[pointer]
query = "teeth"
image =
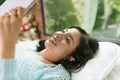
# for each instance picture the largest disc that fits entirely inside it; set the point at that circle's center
(53, 41)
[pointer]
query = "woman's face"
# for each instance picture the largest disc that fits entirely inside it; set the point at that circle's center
(62, 43)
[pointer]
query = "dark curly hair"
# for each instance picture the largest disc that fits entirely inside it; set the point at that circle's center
(84, 51)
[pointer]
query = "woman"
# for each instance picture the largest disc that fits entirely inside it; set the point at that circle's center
(66, 51)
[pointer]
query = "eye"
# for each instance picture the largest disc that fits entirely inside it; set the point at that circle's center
(67, 40)
(63, 31)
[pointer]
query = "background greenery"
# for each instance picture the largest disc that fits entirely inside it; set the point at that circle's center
(59, 14)
(100, 18)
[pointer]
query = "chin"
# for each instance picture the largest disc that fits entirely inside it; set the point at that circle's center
(46, 43)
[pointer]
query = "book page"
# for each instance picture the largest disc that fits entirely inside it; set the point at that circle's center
(8, 4)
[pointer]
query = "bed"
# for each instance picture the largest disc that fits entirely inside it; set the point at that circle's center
(104, 66)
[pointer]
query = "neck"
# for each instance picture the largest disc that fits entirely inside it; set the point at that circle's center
(46, 57)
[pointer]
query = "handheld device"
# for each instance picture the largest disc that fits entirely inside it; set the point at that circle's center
(8, 4)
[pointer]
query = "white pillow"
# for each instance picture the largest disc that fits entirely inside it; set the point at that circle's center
(101, 65)
(29, 44)
(98, 67)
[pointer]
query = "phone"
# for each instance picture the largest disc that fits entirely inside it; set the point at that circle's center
(8, 4)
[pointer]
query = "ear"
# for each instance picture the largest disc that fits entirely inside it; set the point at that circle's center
(71, 59)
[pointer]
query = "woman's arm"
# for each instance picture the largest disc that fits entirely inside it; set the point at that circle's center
(9, 29)
(8, 70)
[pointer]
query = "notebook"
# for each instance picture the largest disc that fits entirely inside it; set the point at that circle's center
(8, 4)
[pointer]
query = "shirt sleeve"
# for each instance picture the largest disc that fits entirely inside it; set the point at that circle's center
(8, 69)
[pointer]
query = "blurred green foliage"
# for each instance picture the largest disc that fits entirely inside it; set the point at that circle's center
(59, 14)
(100, 13)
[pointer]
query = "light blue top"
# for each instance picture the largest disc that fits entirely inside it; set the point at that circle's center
(25, 67)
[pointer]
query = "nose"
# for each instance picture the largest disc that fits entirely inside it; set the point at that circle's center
(60, 35)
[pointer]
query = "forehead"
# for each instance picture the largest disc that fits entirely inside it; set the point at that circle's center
(75, 34)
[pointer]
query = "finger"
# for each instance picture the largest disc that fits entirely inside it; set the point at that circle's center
(19, 12)
(1, 21)
(1, 18)
(6, 19)
(13, 16)
(13, 12)
(6, 15)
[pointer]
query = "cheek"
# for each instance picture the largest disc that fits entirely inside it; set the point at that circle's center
(62, 46)
(46, 43)
(63, 50)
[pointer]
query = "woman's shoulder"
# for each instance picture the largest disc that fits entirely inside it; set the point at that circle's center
(51, 72)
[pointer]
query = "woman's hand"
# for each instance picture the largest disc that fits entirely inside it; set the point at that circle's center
(9, 29)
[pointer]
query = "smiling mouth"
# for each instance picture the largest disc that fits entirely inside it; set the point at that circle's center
(53, 41)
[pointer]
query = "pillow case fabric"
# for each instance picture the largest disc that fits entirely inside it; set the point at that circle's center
(102, 63)
(98, 67)
(29, 44)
